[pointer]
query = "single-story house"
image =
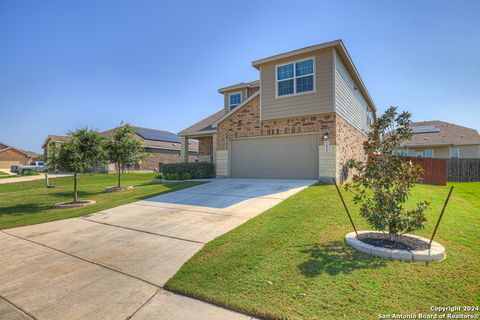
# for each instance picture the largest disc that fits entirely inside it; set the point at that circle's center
(439, 139)
(10, 156)
(159, 145)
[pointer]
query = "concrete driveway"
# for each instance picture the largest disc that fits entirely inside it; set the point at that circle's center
(113, 264)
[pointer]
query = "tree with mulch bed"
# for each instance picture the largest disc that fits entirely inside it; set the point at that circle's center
(83, 153)
(124, 150)
(382, 184)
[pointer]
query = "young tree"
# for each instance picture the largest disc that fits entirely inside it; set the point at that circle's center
(83, 153)
(382, 184)
(124, 149)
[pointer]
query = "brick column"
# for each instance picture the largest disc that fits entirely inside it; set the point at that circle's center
(184, 150)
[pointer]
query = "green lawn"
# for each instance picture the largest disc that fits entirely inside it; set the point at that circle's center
(26, 203)
(291, 262)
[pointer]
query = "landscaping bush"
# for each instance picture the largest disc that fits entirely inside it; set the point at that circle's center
(382, 184)
(184, 171)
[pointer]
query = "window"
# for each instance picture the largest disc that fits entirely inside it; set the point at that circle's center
(410, 153)
(369, 117)
(419, 154)
(429, 153)
(295, 78)
(454, 153)
(234, 99)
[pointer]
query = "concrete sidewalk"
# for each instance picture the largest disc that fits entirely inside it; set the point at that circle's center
(32, 178)
(113, 264)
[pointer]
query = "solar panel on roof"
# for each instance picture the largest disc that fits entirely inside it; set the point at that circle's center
(425, 129)
(157, 135)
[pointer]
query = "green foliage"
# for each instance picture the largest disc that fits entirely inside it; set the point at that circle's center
(29, 173)
(382, 184)
(196, 170)
(83, 153)
(124, 149)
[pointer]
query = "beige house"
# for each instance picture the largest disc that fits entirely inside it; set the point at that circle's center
(306, 115)
(10, 156)
(160, 147)
(438, 139)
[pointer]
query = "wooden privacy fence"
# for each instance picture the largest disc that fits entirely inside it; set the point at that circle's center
(434, 170)
(463, 170)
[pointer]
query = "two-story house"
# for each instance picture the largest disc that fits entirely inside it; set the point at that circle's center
(307, 114)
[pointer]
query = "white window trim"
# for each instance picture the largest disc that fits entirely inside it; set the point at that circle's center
(458, 157)
(314, 74)
(230, 108)
(433, 153)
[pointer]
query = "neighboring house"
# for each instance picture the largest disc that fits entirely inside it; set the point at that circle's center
(309, 112)
(438, 139)
(10, 156)
(160, 147)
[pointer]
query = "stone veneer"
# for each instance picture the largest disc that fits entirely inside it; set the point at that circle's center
(349, 146)
(345, 141)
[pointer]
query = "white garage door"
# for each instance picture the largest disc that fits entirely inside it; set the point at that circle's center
(290, 157)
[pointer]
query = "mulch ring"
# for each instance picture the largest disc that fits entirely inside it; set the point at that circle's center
(73, 204)
(400, 242)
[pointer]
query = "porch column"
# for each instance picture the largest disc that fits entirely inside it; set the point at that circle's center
(184, 150)
(214, 149)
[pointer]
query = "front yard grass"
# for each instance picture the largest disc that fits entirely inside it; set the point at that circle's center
(292, 262)
(27, 203)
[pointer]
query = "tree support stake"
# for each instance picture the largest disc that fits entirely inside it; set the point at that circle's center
(345, 206)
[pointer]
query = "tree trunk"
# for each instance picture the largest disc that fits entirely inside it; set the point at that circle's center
(75, 196)
(119, 172)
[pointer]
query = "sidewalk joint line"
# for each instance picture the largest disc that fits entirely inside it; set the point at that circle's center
(142, 231)
(17, 307)
(83, 259)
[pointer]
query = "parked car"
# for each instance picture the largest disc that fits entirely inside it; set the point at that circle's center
(38, 166)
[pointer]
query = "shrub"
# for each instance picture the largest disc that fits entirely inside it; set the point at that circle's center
(382, 184)
(171, 176)
(195, 170)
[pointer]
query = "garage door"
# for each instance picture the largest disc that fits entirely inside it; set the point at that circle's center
(290, 157)
(4, 164)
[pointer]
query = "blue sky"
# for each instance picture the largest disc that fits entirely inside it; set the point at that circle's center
(69, 64)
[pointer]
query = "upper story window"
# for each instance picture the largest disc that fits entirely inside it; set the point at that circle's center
(369, 117)
(454, 153)
(295, 78)
(234, 99)
(429, 153)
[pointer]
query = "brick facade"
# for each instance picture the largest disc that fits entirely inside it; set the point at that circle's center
(246, 123)
(157, 156)
(349, 146)
(345, 141)
(205, 146)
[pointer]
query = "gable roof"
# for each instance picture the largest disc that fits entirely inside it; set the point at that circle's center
(341, 51)
(431, 133)
(152, 138)
(240, 106)
(240, 85)
(203, 126)
(55, 138)
(31, 154)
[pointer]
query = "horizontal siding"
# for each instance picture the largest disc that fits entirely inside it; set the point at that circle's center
(466, 151)
(349, 103)
(318, 102)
